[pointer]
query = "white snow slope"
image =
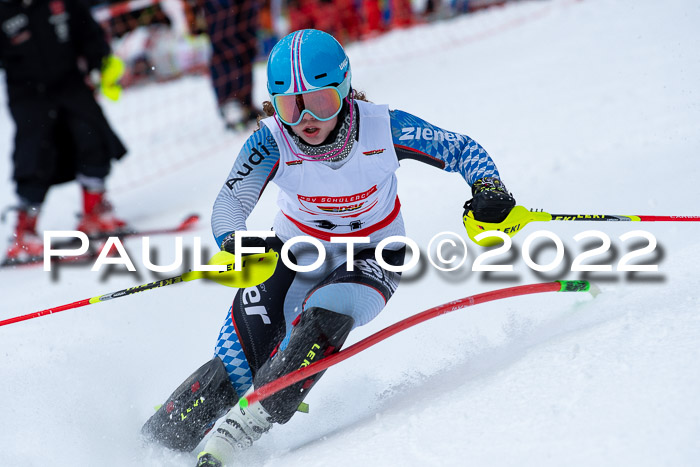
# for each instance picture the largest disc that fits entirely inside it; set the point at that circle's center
(586, 106)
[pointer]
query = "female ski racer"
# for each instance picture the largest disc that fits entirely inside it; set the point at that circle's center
(334, 156)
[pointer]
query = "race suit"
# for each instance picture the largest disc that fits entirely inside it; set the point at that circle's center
(356, 196)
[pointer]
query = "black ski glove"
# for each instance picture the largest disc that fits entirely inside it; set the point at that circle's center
(229, 243)
(490, 201)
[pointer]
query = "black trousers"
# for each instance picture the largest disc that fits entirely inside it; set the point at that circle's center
(232, 27)
(59, 134)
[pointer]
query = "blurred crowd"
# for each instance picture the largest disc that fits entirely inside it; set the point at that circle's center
(166, 38)
(347, 20)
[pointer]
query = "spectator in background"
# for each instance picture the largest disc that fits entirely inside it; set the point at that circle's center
(340, 18)
(349, 20)
(232, 26)
(48, 49)
(175, 10)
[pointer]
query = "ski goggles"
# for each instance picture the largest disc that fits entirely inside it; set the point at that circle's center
(322, 104)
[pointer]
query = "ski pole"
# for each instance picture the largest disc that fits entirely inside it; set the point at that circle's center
(617, 217)
(255, 270)
(520, 216)
(302, 373)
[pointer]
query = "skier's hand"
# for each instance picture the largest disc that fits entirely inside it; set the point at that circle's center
(490, 201)
(229, 243)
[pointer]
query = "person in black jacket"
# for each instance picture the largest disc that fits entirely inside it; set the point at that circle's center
(48, 49)
(232, 26)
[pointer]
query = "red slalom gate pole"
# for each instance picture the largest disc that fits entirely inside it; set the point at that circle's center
(302, 373)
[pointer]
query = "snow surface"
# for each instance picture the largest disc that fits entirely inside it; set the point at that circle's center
(586, 106)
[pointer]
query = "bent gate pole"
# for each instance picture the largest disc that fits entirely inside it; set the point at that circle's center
(316, 367)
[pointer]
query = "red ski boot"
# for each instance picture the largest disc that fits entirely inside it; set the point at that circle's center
(98, 219)
(25, 245)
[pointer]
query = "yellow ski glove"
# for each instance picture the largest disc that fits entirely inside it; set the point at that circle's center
(111, 73)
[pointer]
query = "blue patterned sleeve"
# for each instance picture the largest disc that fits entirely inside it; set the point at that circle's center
(417, 139)
(254, 167)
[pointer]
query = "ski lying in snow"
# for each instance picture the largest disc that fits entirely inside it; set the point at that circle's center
(97, 242)
(187, 224)
(90, 255)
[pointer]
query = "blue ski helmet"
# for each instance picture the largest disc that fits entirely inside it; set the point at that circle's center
(306, 60)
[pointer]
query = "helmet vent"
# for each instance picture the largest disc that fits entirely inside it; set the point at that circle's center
(322, 75)
(281, 83)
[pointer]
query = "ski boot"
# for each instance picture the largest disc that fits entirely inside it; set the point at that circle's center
(317, 333)
(240, 428)
(98, 218)
(207, 460)
(192, 409)
(25, 245)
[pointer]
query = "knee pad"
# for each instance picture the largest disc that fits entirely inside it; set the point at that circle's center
(317, 334)
(190, 412)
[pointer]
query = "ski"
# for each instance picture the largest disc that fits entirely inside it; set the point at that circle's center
(92, 254)
(188, 223)
(97, 242)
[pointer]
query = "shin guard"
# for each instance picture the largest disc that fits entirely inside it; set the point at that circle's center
(317, 334)
(183, 420)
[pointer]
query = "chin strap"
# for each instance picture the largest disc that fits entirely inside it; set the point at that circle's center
(326, 155)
